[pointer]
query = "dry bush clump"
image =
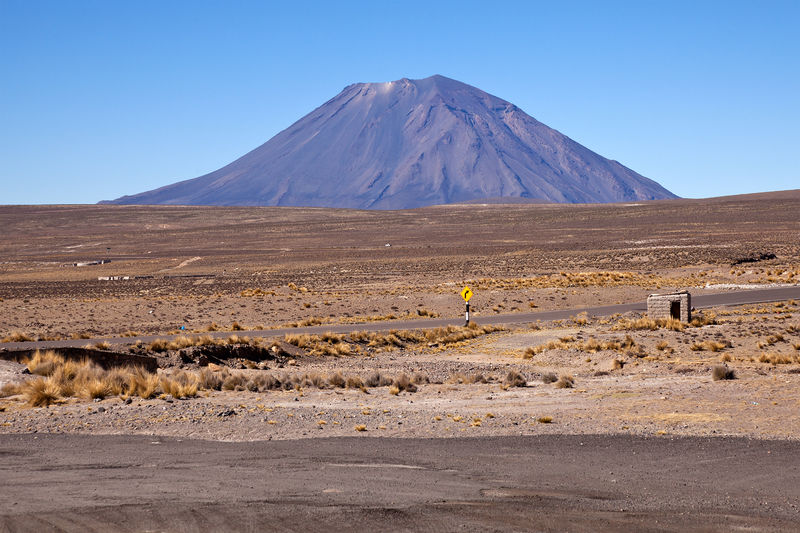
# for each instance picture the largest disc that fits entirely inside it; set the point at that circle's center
(354, 382)
(545, 419)
(617, 364)
(778, 358)
(65, 378)
(40, 392)
(310, 321)
(663, 346)
(337, 380)
(591, 345)
(376, 379)
(420, 379)
(549, 377)
(581, 319)
(704, 319)
(321, 345)
(180, 385)
(184, 341)
(708, 345)
(644, 323)
(404, 383)
(565, 382)
(772, 339)
(18, 336)
(461, 378)
(251, 293)
(721, 372)
(514, 379)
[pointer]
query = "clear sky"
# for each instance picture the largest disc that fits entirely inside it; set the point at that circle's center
(104, 98)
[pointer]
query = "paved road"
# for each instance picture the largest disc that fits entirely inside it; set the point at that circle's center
(535, 483)
(701, 301)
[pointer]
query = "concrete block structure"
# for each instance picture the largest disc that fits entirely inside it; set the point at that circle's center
(664, 306)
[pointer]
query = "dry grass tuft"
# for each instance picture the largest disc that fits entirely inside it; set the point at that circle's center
(778, 358)
(404, 383)
(514, 379)
(376, 379)
(565, 382)
(545, 419)
(18, 336)
(40, 392)
(337, 380)
(645, 323)
(704, 319)
(708, 345)
(663, 346)
(354, 382)
(721, 372)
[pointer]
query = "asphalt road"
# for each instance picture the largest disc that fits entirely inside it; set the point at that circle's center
(741, 297)
(534, 483)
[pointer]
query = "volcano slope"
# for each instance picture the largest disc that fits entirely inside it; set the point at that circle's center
(411, 143)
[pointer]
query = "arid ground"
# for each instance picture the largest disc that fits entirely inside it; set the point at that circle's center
(734, 371)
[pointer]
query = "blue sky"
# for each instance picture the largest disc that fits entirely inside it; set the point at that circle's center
(104, 98)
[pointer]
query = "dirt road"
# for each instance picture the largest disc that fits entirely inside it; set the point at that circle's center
(544, 483)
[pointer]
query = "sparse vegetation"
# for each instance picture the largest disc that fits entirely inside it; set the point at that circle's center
(18, 336)
(565, 382)
(514, 379)
(722, 372)
(708, 345)
(549, 377)
(59, 378)
(778, 358)
(645, 323)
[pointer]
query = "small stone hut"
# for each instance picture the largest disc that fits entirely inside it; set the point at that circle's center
(675, 305)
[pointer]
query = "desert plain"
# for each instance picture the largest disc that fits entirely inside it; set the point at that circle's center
(343, 330)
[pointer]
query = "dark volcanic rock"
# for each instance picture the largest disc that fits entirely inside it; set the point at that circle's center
(411, 143)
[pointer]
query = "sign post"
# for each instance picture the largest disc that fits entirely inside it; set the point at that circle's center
(466, 293)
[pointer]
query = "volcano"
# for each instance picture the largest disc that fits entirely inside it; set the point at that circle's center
(407, 144)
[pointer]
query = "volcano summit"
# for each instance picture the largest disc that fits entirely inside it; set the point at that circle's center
(411, 143)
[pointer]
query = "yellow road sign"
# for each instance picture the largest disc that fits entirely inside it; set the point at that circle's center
(466, 293)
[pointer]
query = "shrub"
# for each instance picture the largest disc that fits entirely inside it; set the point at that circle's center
(377, 380)
(420, 378)
(354, 382)
(721, 372)
(337, 380)
(549, 377)
(565, 382)
(514, 379)
(403, 383)
(40, 392)
(18, 336)
(44, 363)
